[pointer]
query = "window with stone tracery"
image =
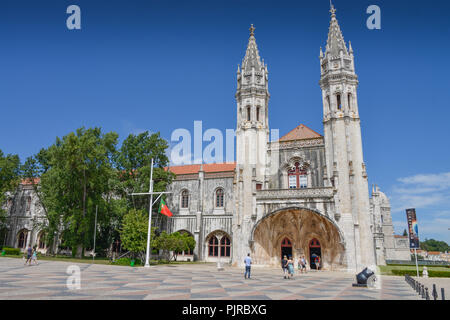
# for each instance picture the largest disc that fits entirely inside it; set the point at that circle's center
(257, 113)
(213, 247)
(249, 113)
(297, 177)
(219, 198)
(185, 199)
(225, 247)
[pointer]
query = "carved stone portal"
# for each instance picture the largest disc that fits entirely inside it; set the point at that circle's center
(300, 226)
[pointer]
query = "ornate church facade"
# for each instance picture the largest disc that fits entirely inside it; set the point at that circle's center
(303, 194)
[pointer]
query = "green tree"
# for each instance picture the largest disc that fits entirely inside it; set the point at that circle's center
(76, 172)
(434, 245)
(133, 164)
(9, 181)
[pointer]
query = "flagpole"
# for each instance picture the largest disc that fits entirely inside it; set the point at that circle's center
(147, 256)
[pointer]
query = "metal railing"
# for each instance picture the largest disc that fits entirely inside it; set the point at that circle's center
(422, 290)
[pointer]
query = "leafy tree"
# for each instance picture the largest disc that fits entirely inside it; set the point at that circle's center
(76, 172)
(133, 164)
(434, 245)
(175, 242)
(9, 180)
(133, 233)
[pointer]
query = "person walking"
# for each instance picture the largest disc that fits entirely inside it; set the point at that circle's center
(291, 267)
(248, 266)
(29, 253)
(303, 263)
(34, 257)
(317, 262)
(284, 265)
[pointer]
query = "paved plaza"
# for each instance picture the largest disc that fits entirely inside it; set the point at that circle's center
(48, 280)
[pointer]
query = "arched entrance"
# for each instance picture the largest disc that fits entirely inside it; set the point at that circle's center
(293, 229)
(314, 253)
(286, 248)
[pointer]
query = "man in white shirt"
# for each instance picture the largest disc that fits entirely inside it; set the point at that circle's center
(248, 264)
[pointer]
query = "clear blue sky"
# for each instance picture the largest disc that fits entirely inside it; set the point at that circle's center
(160, 65)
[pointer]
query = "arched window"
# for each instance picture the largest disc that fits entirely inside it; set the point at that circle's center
(297, 178)
(349, 96)
(225, 247)
(219, 198)
(338, 98)
(258, 108)
(28, 203)
(249, 116)
(213, 247)
(185, 199)
(41, 241)
(22, 239)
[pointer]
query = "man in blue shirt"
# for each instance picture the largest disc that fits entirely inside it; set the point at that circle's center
(248, 263)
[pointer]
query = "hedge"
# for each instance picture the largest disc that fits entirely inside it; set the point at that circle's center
(413, 273)
(11, 251)
(126, 262)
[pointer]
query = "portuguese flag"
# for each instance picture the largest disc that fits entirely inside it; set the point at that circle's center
(164, 209)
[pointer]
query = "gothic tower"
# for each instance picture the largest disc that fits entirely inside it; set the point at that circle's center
(343, 147)
(252, 136)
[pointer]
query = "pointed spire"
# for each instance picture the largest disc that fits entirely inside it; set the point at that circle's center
(350, 49)
(252, 58)
(335, 42)
(321, 53)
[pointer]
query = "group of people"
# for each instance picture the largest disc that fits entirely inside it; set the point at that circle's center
(287, 265)
(31, 256)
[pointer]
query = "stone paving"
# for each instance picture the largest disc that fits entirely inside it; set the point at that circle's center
(180, 282)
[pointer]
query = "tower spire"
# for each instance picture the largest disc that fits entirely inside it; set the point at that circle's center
(335, 40)
(252, 58)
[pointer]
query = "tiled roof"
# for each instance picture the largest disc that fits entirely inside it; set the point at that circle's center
(398, 236)
(28, 182)
(434, 253)
(302, 132)
(208, 168)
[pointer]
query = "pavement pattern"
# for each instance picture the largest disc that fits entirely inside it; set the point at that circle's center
(48, 281)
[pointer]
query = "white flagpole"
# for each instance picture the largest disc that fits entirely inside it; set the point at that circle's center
(147, 256)
(417, 266)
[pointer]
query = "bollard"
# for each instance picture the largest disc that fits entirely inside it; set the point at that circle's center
(427, 296)
(423, 291)
(435, 295)
(442, 294)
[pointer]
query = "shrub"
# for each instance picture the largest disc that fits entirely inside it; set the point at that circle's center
(438, 274)
(126, 262)
(403, 272)
(11, 251)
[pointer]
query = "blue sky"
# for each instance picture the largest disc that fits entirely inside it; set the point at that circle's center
(161, 65)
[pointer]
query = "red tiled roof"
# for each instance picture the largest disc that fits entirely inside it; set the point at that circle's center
(28, 182)
(302, 132)
(398, 236)
(434, 252)
(195, 168)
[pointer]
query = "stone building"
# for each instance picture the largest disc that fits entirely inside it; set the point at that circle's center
(302, 194)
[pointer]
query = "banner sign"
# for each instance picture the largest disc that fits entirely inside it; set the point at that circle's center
(413, 228)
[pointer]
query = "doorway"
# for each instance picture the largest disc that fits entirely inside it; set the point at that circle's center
(286, 248)
(314, 251)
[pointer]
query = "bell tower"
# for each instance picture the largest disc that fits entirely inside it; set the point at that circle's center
(343, 146)
(252, 136)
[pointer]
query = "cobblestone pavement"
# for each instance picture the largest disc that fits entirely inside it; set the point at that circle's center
(197, 281)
